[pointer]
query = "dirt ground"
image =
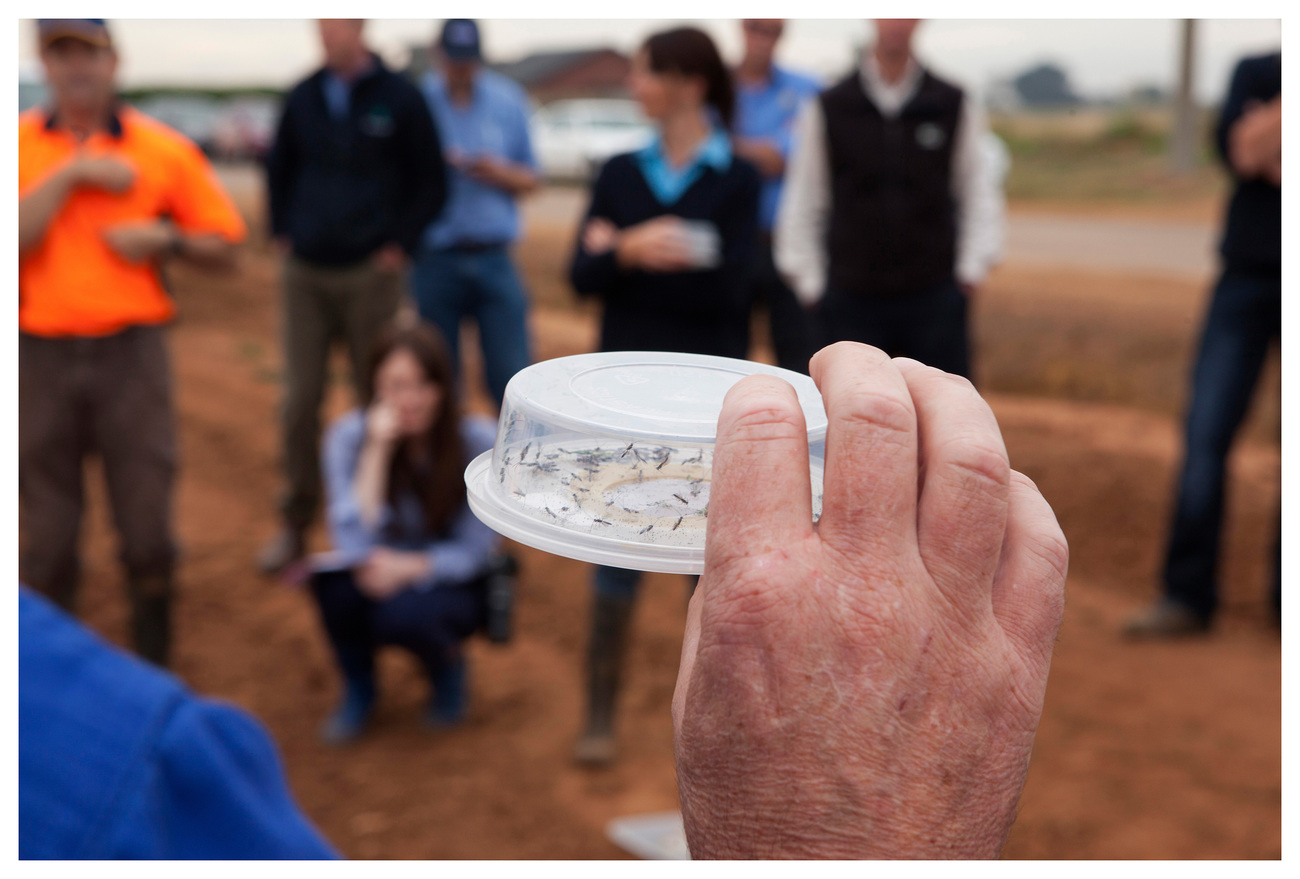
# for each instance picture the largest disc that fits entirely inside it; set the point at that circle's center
(1157, 751)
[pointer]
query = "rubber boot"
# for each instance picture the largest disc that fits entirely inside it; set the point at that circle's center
(349, 720)
(151, 617)
(450, 695)
(609, 624)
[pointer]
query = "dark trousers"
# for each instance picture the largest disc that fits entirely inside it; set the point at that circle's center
(929, 326)
(1245, 316)
(452, 284)
(792, 332)
(321, 305)
(110, 397)
(430, 624)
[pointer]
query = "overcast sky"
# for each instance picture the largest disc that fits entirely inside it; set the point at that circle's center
(1101, 57)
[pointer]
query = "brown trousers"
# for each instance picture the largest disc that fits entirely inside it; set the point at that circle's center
(110, 397)
(322, 304)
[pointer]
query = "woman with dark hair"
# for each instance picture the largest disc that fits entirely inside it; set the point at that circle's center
(409, 557)
(665, 246)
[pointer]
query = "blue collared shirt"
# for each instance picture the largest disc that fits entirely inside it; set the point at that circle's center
(495, 123)
(457, 556)
(668, 183)
(768, 112)
(119, 759)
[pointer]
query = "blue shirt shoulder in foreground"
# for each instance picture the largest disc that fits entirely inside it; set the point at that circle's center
(118, 759)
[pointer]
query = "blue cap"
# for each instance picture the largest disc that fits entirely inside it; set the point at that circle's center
(460, 41)
(89, 30)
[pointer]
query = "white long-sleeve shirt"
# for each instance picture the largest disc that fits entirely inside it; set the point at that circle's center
(799, 245)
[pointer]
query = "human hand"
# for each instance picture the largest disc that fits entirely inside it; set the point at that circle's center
(383, 425)
(387, 572)
(1255, 141)
(869, 686)
(599, 236)
(968, 290)
(389, 258)
(657, 245)
(138, 242)
(103, 172)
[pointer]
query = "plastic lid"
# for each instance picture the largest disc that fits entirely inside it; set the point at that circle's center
(608, 457)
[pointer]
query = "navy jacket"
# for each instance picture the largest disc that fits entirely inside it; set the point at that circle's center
(340, 190)
(1252, 235)
(117, 759)
(697, 312)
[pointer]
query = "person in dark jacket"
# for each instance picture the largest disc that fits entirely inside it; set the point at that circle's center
(354, 176)
(665, 245)
(1245, 317)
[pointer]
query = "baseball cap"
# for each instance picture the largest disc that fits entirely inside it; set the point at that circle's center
(89, 30)
(460, 40)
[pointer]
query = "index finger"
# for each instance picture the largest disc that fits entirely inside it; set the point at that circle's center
(760, 498)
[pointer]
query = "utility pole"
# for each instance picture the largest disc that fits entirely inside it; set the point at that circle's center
(1183, 137)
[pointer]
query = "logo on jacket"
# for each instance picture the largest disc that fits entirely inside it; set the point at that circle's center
(378, 122)
(930, 136)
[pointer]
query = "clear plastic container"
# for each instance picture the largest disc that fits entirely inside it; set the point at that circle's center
(608, 458)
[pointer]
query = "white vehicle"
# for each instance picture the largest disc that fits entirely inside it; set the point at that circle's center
(31, 88)
(573, 138)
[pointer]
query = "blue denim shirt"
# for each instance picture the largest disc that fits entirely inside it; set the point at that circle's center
(768, 112)
(495, 123)
(460, 554)
(668, 183)
(119, 759)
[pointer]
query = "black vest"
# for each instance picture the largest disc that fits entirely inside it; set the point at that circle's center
(893, 228)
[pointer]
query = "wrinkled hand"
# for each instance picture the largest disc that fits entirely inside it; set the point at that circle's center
(103, 172)
(388, 571)
(383, 425)
(599, 236)
(869, 686)
(138, 242)
(658, 245)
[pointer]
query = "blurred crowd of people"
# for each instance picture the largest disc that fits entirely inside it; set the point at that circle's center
(868, 209)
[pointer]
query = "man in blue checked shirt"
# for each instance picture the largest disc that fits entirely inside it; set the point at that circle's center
(768, 99)
(464, 266)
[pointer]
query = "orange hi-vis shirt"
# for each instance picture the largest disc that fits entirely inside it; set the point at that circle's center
(72, 283)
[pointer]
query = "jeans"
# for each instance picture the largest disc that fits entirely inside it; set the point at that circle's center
(1245, 316)
(622, 584)
(929, 326)
(430, 624)
(450, 284)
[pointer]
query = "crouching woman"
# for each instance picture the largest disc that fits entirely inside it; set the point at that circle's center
(410, 558)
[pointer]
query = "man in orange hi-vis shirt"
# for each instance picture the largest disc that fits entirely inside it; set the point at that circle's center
(106, 195)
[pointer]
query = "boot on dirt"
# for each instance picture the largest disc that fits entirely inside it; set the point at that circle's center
(151, 616)
(450, 700)
(609, 625)
(350, 719)
(1166, 619)
(282, 551)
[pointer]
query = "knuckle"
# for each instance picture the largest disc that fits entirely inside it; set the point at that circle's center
(985, 465)
(879, 412)
(1050, 548)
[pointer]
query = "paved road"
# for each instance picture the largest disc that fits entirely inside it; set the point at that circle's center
(1033, 239)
